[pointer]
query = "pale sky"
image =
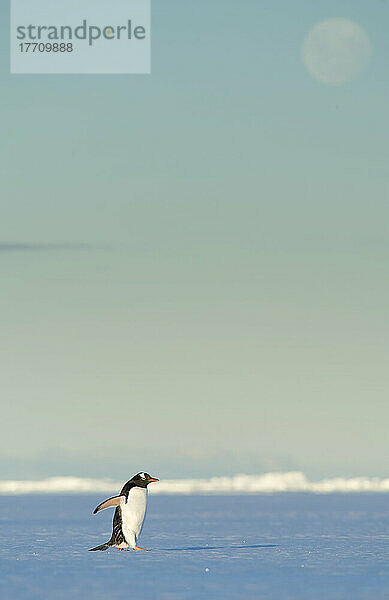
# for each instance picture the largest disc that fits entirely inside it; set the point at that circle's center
(194, 262)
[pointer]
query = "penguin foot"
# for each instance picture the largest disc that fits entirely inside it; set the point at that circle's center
(122, 549)
(144, 549)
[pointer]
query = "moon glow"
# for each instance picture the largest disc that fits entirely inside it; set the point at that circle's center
(336, 51)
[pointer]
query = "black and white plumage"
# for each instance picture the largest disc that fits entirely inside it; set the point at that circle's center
(129, 515)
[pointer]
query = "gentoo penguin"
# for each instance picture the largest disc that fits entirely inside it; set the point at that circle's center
(129, 514)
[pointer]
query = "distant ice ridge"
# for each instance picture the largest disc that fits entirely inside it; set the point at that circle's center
(293, 481)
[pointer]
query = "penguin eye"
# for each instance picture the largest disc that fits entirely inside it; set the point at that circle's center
(143, 476)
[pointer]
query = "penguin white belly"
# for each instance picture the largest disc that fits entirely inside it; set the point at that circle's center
(133, 514)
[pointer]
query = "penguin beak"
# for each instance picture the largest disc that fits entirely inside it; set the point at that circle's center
(153, 479)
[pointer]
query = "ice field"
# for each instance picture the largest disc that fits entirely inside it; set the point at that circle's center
(284, 546)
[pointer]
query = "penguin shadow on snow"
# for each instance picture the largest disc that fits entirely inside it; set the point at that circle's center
(243, 547)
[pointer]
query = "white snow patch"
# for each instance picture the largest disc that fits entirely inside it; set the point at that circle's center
(293, 481)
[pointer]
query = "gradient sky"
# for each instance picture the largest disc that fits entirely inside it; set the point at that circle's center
(194, 263)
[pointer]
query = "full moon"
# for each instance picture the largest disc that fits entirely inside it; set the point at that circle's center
(336, 51)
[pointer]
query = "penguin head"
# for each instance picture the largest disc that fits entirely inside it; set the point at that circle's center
(143, 479)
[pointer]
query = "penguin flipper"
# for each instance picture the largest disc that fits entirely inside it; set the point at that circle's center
(114, 501)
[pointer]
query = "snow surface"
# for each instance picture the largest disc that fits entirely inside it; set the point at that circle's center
(293, 481)
(264, 547)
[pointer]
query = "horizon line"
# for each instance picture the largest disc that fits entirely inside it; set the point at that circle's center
(273, 482)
